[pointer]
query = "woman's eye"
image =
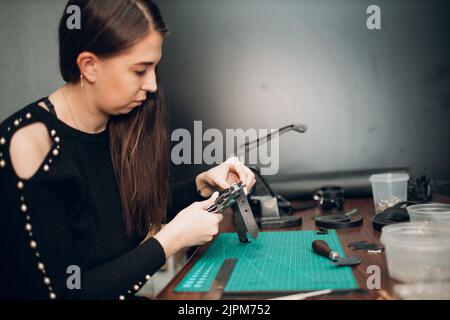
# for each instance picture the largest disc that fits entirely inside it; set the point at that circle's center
(141, 73)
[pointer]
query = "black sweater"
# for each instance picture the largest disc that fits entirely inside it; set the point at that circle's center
(69, 214)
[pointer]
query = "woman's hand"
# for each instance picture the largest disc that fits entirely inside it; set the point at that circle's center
(223, 175)
(192, 226)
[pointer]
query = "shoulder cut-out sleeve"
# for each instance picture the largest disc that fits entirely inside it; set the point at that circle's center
(36, 240)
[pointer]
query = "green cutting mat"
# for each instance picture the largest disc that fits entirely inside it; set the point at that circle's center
(275, 261)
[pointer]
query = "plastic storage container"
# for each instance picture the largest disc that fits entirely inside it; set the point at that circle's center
(417, 252)
(388, 189)
(430, 212)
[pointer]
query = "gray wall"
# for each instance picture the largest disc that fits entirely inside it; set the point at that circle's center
(29, 51)
(371, 99)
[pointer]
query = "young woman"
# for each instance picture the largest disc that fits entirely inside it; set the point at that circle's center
(84, 171)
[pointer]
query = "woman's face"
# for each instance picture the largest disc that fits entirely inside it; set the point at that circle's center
(123, 81)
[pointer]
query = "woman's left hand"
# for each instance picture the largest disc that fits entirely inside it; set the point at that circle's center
(222, 176)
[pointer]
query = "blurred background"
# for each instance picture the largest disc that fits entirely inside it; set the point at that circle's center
(372, 99)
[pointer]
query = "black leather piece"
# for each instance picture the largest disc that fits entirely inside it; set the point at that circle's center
(334, 218)
(340, 225)
(241, 230)
(395, 214)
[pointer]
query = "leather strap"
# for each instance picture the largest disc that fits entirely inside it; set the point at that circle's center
(240, 226)
(245, 221)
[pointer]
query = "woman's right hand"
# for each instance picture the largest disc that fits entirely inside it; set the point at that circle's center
(192, 226)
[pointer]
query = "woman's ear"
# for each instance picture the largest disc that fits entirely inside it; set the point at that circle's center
(88, 63)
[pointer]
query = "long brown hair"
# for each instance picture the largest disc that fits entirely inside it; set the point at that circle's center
(138, 140)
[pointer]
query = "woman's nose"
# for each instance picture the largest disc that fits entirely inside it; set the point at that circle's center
(150, 84)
